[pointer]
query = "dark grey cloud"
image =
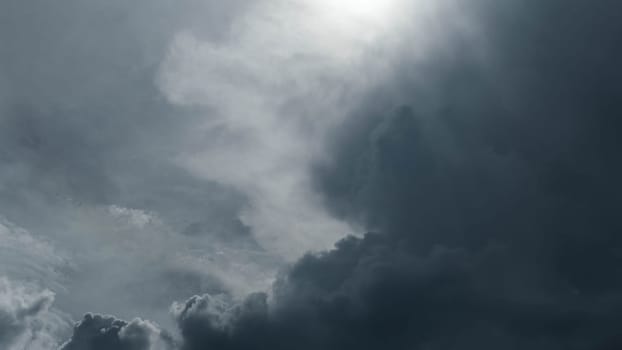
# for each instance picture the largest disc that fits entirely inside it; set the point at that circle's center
(373, 293)
(492, 179)
(99, 332)
(516, 146)
(489, 170)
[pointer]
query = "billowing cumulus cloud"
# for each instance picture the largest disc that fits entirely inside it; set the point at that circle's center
(371, 293)
(186, 160)
(98, 332)
(491, 182)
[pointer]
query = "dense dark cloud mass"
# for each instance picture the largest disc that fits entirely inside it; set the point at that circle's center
(487, 173)
(371, 294)
(98, 332)
(494, 186)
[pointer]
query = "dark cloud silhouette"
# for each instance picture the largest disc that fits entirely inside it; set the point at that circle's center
(490, 173)
(98, 332)
(373, 293)
(494, 189)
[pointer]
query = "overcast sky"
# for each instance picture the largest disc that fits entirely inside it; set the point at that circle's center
(310, 174)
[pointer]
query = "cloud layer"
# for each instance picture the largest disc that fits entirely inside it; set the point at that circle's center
(491, 183)
(195, 160)
(98, 332)
(27, 320)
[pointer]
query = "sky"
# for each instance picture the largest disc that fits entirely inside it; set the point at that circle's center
(310, 174)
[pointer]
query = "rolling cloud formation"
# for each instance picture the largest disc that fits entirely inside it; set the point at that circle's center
(464, 157)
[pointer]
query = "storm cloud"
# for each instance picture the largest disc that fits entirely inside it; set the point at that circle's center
(489, 172)
(106, 332)
(196, 171)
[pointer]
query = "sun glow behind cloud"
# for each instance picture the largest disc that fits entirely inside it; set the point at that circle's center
(315, 54)
(359, 10)
(352, 23)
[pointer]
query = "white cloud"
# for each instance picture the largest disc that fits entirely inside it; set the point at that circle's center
(288, 73)
(27, 320)
(136, 217)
